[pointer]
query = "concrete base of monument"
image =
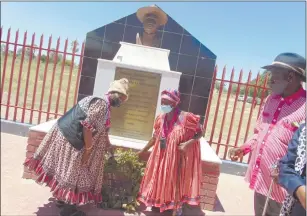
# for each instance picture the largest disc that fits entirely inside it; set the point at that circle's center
(210, 161)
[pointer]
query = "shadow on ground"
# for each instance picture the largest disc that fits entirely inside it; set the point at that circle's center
(48, 209)
(218, 206)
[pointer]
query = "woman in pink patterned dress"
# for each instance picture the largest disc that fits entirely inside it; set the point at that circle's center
(173, 171)
(74, 174)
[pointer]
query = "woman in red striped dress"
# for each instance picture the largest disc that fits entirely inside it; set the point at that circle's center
(173, 171)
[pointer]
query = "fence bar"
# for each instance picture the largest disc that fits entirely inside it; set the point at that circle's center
(5, 61)
(233, 114)
(11, 76)
(79, 73)
(19, 75)
(210, 97)
(43, 49)
(55, 60)
(44, 81)
(70, 75)
(255, 93)
(225, 112)
(36, 77)
(61, 79)
(23, 108)
(217, 106)
(243, 109)
(27, 81)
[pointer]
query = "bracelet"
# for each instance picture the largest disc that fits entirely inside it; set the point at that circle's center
(89, 148)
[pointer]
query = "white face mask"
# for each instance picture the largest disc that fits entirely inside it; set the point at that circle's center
(166, 108)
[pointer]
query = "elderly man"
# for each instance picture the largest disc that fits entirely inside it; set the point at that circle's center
(292, 175)
(274, 129)
(152, 17)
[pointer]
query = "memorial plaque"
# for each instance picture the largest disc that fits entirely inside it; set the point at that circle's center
(135, 118)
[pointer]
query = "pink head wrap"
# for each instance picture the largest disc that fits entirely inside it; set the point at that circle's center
(171, 95)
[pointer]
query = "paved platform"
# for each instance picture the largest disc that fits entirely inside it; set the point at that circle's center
(25, 197)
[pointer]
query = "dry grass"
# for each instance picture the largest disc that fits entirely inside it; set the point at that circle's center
(39, 95)
(218, 134)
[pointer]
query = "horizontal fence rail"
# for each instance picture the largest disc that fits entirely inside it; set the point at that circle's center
(40, 82)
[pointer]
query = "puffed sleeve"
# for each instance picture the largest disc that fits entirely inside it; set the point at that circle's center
(97, 115)
(192, 122)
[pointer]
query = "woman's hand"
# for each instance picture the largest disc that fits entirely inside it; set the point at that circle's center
(85, 157)
(182, 147)
(301, 195)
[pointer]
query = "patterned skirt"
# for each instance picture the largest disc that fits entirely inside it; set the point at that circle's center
(58, 165)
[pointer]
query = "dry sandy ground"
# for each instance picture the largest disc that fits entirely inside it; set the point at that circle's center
(25, 197)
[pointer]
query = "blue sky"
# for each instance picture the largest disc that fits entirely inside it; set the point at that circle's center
(242, 34)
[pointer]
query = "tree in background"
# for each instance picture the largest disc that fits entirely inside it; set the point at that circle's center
(72, 46)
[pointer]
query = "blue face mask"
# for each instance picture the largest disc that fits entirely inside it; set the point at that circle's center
(166, 108)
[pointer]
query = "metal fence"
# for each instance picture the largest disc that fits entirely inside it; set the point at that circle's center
(40, 82)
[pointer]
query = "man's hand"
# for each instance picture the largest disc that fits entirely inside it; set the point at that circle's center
(301, 195)
(235, 153)
(275, 174)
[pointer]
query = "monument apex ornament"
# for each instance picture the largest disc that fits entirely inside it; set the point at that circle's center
(152, 18)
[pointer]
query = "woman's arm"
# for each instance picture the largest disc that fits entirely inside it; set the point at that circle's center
(88, 145)
(150, 143)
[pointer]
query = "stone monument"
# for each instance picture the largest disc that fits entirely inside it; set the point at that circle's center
(148, 71)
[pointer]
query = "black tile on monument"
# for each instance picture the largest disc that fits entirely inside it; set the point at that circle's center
(205, 52)
(189, 46)
(173, 26)
(109, 50)
(92, 48)
(187, 64)
(171, 41)
(185, 84)
(97, 34)
(133, 20)
(86, 86)
(89, 67)
(81, 96)
(205, 67)
(173, 60)
(114, 32)
(198, 105)
(121, 21)
(184, 102)
(130, 33)
(201, 86)
(186, 32)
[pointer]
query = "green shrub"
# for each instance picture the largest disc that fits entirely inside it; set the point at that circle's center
(128, 170)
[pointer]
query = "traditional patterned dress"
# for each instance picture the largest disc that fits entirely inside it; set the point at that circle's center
(172, 178)
(58, 164)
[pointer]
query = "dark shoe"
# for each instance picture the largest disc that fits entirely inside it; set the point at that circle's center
(59, 204)
(68, 210)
